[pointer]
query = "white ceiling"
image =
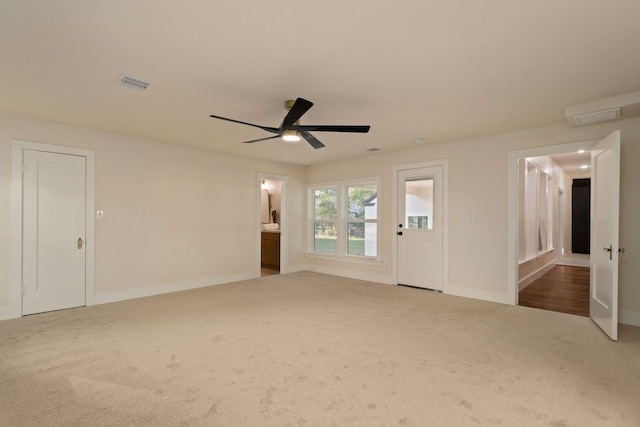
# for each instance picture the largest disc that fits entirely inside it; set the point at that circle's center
(440, 70)
(572, 164)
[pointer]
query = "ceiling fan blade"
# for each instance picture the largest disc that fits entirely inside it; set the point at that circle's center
(261, 139)
(312, 140)
(268, 129)
(333, 128)
(299, 107)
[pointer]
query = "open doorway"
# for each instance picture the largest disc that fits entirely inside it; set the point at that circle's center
(272, 220)
(563, 284)
(605, 202)
(546, 272)
(553, 258)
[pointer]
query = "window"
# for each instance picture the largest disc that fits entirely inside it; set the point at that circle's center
(324, 220)
(362, 225)
(418, 222)
(344, 219)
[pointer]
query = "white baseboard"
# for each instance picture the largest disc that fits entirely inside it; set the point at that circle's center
(7, 313)
(498, 297)
(377, 278)
(165, 288)
(526, 281)
(625, 317)
(296, 268)
(384, 279)
(629, 318)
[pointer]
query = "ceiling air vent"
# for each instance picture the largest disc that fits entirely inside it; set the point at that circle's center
(597, 117)
(132, 82)
(604, 110)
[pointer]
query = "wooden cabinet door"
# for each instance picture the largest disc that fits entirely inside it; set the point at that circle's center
(270, 248)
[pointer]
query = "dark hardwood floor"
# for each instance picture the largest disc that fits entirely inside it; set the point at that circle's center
(563, 288)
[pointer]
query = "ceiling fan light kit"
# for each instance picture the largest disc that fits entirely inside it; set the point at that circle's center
(290, 136)
(292, 131)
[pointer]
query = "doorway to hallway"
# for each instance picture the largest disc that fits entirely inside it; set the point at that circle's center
(553, 226)
(605, 164)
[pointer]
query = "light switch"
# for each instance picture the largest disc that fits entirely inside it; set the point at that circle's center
(99, 214)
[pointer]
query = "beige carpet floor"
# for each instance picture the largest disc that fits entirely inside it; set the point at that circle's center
(307, 349)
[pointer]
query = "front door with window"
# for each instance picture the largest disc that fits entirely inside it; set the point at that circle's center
(420, 227)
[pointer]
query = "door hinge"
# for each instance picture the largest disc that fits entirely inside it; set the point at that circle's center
(24, 168)
(25, 289)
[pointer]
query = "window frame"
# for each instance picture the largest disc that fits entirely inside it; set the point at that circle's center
(342, 220)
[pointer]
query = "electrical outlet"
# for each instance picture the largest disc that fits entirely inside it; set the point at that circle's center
(203, 261)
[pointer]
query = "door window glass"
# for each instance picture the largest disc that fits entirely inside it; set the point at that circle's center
(419, 203)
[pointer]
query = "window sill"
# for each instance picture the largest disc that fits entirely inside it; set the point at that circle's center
(344, 258)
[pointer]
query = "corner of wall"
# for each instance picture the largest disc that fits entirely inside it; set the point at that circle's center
(629, 318)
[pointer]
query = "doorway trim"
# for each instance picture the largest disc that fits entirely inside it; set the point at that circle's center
(512, 203)
(445, 217)
(17, 150)
(284, 208)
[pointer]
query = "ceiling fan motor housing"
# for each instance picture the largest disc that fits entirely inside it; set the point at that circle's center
(288, 104)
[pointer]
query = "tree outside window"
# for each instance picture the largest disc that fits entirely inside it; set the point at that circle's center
(325, 233)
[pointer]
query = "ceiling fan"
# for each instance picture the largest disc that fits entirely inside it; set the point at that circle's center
(291, 130)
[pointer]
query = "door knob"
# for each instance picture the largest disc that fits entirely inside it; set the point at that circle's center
(399, 233)
(80, 242)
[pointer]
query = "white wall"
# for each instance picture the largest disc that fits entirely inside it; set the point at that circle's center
(165, 207)
(478, 183)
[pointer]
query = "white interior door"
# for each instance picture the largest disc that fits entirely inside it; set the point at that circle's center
(420, 227)
(605, 202)
(54, 222)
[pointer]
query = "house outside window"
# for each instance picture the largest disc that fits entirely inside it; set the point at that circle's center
(362, 227)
